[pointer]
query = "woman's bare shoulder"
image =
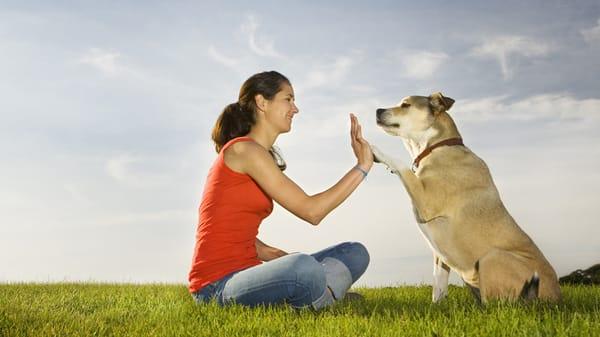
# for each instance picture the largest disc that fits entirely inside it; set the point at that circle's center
(238, 155)
(244, 149)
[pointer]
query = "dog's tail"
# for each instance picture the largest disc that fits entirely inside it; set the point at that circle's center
(531, 288)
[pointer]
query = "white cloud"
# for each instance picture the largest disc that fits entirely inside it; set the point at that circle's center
(136, 171)
(117, 167)
(331, 122)
(592, 35)
(547, 106)
(423, 64)
(103, 60)
(328, 74)
(76, 193)
(505, 48)
(260, 45)
(222, 59)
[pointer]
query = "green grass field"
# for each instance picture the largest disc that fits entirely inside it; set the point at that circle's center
(168, 310)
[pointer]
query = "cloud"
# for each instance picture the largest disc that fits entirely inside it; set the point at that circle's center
(555, 106)
(423, 64)
(330, 123)
(505, 48)
(328, 74)
(592, 35)
(103, 60)
(136, 171)
(260, 45)
(117, 167)
(222, 59)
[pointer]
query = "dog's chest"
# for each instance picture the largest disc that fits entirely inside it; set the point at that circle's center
(433, 231)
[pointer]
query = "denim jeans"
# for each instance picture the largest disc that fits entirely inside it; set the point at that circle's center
(300, 280)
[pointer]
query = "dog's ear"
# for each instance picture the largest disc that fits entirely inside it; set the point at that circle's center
(439, 103)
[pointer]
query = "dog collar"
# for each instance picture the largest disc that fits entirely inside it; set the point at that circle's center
(427, 151)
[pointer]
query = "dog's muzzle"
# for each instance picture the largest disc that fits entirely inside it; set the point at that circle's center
(379, 116)
(379, 113)
(380, 119)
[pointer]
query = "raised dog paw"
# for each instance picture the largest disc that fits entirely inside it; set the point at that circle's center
(378, 156)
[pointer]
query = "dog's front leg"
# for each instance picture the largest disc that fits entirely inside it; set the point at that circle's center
(441, 271)
(394, 165)
(411, 182)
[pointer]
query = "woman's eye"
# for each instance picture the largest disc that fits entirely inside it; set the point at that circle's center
(404, 105)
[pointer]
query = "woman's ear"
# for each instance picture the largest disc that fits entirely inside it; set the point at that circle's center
(261, 102)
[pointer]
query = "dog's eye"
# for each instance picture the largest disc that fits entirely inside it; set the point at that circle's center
(404, 105)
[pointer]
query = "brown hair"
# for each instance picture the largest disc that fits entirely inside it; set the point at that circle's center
(237, 118)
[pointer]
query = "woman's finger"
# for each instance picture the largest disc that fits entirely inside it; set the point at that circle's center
(353, 126)
(359, 132)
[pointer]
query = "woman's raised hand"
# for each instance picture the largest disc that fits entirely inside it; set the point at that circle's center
(361, 148)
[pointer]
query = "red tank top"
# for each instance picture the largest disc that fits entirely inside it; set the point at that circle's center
(231, 210)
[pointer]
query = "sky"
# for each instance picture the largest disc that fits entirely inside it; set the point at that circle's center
(106, 110)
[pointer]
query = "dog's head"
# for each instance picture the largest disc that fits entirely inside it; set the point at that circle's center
(413, 115)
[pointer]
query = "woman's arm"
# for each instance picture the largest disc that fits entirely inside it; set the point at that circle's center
(266, 252)
(258, 163)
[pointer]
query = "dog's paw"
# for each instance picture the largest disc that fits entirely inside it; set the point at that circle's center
(378, 156)
(439, 294)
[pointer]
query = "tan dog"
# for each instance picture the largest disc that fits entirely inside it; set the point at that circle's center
(459, 210)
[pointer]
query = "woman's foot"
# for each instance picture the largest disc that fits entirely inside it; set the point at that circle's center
(352, 296)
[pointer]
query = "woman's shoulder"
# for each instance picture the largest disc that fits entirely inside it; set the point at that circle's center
(242, 146)
(238, 155)
(234, 141)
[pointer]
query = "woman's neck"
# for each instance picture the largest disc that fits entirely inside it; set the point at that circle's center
(262, 136)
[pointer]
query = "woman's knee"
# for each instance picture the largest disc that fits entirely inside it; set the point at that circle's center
(310, 275)
(362, 253)
(307, 269)
(358, 258)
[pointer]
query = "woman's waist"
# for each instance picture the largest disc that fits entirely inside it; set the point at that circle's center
(216, 251)
(205, 273)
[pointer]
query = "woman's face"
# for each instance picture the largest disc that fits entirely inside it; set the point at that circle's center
(281, 109)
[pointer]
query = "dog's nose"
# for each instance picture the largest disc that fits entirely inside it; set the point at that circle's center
(380, 112)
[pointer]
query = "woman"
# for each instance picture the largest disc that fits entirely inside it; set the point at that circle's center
(243, 182)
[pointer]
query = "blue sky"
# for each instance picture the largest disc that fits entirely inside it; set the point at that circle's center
(106, 111)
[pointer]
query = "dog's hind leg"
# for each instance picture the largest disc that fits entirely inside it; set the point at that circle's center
(531, 288)
(441, 272)
(474, 291)
(504, 276)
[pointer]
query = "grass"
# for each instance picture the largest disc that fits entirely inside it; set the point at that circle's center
(86, 309)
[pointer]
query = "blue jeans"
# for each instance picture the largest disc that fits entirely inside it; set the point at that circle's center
(300, 280)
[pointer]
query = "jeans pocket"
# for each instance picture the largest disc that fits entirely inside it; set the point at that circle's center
(212, 291)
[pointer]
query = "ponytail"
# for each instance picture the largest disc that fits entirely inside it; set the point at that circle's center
(234, 121)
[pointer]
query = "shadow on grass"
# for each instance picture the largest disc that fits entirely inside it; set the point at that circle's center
(416, 302)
